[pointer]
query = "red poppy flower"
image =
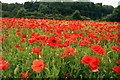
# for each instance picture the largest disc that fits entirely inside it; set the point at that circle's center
(73, 38)
(24, 75)
(38, 65)
(18, 32)
(94, 67)
(67, 35)
(31, 40)
(70, 51)
(3, 64)
(118, 62)
(116, 69)
(116, 48)
(20, 49)
(66, 43)
(65, 55)
(17, 46)
(6, 35)
(1, 39)
(95, 61)
(43, 39)
(84, 42)
(61, 45)
(24, 35)
(67, 75)
(58, 33)
(86, 60)
(36, 50)
(98, 49)
(94, 64)
(22, 40)
(53, 41)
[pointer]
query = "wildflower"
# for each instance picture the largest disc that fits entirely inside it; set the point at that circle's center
(70, 51)
(18, 32)
(53, 41)
(24, 75)
(86, 60)
(24, 35)
(3, 64)
(94, 67)
(65, 55)
(22, 40)
(116, 48)
(98, 49)
(67, 75)
(116, 69)
(94, 64)
(31, 40)
(118, 62)
(36, 50)
(38, 65)
(1, 39)
(84, 42)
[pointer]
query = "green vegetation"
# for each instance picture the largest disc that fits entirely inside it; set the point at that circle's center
(61, 10)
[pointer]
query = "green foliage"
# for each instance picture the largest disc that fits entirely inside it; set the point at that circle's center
(43, 8)
(59, 10)
(114, 16)
(85, 18)
(21, 12)
(76, 15)
(34, 14)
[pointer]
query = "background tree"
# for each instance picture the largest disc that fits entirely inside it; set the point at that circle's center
(21, 13)
(58, 10)
(76, 15)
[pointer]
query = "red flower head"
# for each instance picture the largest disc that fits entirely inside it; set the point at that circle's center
(118, 62)
(3, 65)
(95, 61)
(18, 32)
(38, 65)
(53, 41)
(22, 40)
(67, 75)
(94, 67)
(86, 60)
(66, 43)
(61, 45)
(70, 51)
(94, 64)
(116, 69)
(65, 55)
(84, 42)
(31, 40)
(24, 35)
(1, 39)
(116, 48)
(24, 75)
(36, 50)
(43, 39)
(17, 46)
(98, 49)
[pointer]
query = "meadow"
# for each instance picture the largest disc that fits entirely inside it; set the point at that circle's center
(44, 48)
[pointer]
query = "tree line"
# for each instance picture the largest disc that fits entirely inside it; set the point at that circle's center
(61, 10)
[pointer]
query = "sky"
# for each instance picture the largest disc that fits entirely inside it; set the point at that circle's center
(114, 3)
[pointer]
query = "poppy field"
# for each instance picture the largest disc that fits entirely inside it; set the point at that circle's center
(43, 48)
